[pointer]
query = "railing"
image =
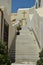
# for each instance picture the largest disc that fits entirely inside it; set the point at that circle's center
(35, 37)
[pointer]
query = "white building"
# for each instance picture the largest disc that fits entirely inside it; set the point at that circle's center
(6, 3)
(37, 25)
(4, 21)
(39, 3)
(8, 31)
(25, 48)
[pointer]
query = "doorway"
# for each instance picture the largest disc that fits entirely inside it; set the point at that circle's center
(6, 32)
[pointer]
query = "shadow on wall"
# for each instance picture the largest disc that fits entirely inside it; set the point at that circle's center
(12, 50)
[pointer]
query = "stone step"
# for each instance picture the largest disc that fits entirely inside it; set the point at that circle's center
(24, 63)
(26, 46)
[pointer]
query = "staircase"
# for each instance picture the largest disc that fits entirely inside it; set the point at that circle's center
(27, 49)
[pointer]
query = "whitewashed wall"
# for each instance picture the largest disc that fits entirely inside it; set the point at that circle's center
(41, 31)
(6, 3)
(12, 33)
(41, 2)
(37, 2)
(36, 26)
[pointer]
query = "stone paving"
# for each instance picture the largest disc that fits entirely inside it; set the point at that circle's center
(22, 64)
(27, 49)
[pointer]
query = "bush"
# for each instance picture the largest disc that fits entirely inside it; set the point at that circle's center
(4, 57)
(40, 61)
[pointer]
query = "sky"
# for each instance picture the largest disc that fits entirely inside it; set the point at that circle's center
(16, 4)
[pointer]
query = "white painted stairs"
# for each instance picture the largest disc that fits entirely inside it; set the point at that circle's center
(27, 49)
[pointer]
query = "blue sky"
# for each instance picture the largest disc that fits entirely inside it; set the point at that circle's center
(16, 4)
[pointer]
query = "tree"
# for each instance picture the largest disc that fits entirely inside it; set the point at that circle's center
(40, 61)
(4, 57)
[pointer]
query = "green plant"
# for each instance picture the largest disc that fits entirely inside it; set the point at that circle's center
(4, 57)
(40, 61)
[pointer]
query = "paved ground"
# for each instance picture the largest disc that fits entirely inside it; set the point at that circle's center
(26, 46)
(22, 64)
